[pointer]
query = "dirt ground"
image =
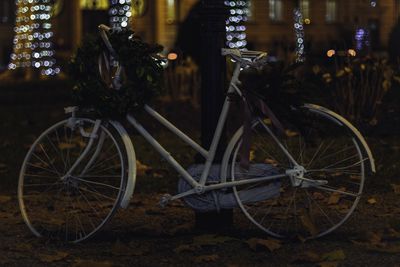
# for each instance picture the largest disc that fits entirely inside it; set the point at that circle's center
(147, 235)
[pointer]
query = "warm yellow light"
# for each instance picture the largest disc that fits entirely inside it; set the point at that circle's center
(331, 53)
(172, 56)
(307, 21)
(100, 4)
(352, 52)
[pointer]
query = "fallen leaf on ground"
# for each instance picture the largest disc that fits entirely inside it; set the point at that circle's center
(88, 263)
(211, 240)
(393, 233)
(270, 244)
(330, 259)
(290, 133)
(355, 177)
(307, 222)
(396, 189)
(4, 199)
(372, 201)
(133, 249)
(336, 255)
(335, 197)
(57, 256)
(206, 258)
(64, 146)
(328, 264)
(318, 196)
(307, 257)
(180, 229)
(151, 229)
(185, 248)
(4, 215)
(383, 247)
(252, 155)
(374, 238)
(141, 168)
(271, 162)
(22, 247)
(158, 175)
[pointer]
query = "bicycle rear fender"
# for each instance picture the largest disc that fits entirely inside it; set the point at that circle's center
(130, 151)
(360, 139)
(324, 111)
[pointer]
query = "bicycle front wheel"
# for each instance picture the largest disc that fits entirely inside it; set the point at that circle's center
(319, 202)
(58, 204)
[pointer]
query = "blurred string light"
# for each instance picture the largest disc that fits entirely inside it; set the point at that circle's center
(235, 30)
(33, 33)
(299, 31)
(120, 14)
(362, 38)
(331, 53)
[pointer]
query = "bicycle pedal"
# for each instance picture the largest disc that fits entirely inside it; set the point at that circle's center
(165, 200)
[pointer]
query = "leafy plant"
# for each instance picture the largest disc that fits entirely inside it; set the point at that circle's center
(275, 83)
(357, 87)
(142, 75)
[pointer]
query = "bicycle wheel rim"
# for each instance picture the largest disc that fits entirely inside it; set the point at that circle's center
(72, 193)
(348, 203)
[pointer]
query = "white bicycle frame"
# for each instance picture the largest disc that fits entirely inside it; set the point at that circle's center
(200, 186)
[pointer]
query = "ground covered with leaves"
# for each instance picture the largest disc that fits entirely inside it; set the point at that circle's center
(147, 235)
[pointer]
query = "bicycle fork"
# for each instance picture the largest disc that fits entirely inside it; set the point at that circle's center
(92, 136)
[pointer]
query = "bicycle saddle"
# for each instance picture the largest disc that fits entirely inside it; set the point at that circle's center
(249, 58)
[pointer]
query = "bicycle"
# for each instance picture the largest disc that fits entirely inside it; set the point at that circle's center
(81, 170)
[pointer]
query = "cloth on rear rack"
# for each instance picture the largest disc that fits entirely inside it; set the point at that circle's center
(225, 198)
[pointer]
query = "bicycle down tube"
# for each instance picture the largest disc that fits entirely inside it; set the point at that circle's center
(209, 155)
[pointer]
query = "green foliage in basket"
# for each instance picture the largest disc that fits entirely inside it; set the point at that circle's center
(141, 77)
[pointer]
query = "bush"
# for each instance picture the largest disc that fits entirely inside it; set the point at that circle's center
(357, 87)
(394, 44)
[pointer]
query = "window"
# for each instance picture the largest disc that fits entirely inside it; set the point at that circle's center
(276, 10)
(305, 8)
(94, 4)
(6, 14)
(171, 11)
(331, 6)
(250, 10)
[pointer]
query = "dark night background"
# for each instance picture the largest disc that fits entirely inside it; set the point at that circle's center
(146, 234)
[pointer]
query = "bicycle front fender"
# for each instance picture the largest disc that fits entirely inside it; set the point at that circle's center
(360, 139)
(130, 151)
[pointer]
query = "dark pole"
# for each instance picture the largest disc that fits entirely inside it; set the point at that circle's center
(213, 71)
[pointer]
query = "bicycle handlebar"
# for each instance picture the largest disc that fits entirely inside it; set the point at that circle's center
(104, 30)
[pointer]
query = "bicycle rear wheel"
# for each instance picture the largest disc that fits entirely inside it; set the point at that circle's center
(331, 187)
(72, 207)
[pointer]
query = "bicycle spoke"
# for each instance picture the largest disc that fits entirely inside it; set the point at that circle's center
(333, 171)
(96, 183)
(55, 149)
(72, 208)
(42, 168)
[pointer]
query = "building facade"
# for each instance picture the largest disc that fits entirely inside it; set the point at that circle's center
(269, 27)
(270, 24)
